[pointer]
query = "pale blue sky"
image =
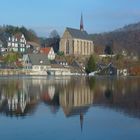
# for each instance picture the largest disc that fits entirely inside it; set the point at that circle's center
(46, 15)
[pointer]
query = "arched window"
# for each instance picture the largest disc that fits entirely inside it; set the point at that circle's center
(78, 48)
(67, 47)
(73, 46)
(81, 48)
(91, 49)
(88, 48)
(84, 47)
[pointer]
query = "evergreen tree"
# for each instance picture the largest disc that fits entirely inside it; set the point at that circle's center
(91, 65)
(109, 48)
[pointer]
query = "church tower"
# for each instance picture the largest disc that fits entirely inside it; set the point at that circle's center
(81, 23)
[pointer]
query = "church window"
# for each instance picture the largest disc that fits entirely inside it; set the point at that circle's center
(67, 47)
(73, 46)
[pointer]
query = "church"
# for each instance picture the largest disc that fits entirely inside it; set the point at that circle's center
(76, 42)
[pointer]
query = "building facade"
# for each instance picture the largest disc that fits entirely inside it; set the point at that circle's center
(76, 42)
(49, 52)
(36, 62)
(17, 43)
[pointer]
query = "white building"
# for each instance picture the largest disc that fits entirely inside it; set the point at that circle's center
(37, 63)
(49, 52)
(17, 43)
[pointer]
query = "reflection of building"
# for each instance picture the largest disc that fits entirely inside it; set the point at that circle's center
(76, 101)
(76, 97)
(18, 102)
(15, 99)
(19, 97)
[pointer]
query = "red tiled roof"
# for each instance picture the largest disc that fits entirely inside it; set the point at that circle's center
(45, 50)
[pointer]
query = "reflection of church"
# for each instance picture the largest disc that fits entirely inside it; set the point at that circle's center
(76, 101)
(25, 95)
(20, 97)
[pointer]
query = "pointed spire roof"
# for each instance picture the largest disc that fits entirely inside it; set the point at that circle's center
(81, 23)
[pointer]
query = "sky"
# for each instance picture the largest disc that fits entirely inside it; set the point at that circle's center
(43, 16)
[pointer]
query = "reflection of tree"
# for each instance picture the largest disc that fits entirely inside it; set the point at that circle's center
(75, 96)
(91, 82)
(108, 93)
(9, 87)
(53, 103)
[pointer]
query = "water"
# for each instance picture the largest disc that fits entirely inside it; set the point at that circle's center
(69, 108)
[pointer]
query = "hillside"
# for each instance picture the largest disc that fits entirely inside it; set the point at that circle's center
(126, 38)
(7, 30)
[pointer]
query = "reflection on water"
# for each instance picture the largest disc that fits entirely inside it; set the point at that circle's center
(19, 97)
(75, 96)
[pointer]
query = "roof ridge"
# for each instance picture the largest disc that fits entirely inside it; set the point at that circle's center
(75, 29)
(77, 33)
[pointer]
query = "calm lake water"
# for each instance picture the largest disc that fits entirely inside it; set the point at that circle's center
(69, 108)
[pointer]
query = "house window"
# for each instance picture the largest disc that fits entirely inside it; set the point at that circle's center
(13, 39)
(16, 45)
(9, 44)
(13, 44)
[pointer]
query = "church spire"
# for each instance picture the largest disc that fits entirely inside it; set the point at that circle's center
(81, 23)
(81, 121)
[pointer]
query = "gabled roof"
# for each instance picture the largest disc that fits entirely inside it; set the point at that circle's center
(34, 44)
(71, 111)
(75, 33)
(45, 50)
(18, 35)
(39, 59)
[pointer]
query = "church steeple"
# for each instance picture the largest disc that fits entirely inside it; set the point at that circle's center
(81, 121)
(81, 23)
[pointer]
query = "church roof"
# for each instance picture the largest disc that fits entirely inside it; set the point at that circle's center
(75, 33)
(71, 111)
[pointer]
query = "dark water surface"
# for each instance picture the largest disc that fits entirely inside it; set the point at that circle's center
(69, 108)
